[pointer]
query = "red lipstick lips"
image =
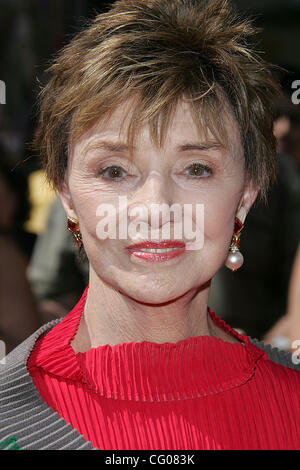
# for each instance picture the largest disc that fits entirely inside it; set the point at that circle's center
(158, 245)
(177, 245)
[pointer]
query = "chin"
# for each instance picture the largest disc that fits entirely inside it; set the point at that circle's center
(154, 296)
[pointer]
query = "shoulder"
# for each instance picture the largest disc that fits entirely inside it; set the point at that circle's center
(18, 356)
(23, 413)
(19, 399)
(278, 368)
(278, 356)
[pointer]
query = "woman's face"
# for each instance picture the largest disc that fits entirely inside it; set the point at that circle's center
(189, 169)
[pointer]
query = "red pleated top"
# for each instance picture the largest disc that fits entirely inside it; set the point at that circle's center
(199, 393)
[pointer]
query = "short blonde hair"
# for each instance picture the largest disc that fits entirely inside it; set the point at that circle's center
(161, 51)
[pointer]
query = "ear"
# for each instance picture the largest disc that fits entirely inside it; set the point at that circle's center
(248, 198)
(66, 200)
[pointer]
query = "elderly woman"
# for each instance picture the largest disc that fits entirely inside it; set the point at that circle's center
(156, 103)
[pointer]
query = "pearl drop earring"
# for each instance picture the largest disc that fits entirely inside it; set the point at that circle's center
(235, 258)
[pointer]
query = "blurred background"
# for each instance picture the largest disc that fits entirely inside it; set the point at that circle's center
(41, 274)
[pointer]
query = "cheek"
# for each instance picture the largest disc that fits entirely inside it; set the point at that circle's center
(218, 235)
(85, 202)
(86, 199)
(219, 213)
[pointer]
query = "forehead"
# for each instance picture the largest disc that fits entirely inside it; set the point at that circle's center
(182, 128)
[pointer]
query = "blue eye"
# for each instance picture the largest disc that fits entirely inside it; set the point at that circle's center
(199, 170)
(113, 172)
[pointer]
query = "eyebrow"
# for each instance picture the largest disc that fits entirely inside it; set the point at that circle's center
(213, 145)
(107, 145)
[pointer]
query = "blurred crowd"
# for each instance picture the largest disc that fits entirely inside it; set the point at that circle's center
(41, 273)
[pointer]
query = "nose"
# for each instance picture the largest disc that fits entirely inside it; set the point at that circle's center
(153, 200)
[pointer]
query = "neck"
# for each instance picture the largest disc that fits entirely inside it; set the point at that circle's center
(111, 317)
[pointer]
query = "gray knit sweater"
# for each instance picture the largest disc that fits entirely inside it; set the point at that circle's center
(27, 422)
